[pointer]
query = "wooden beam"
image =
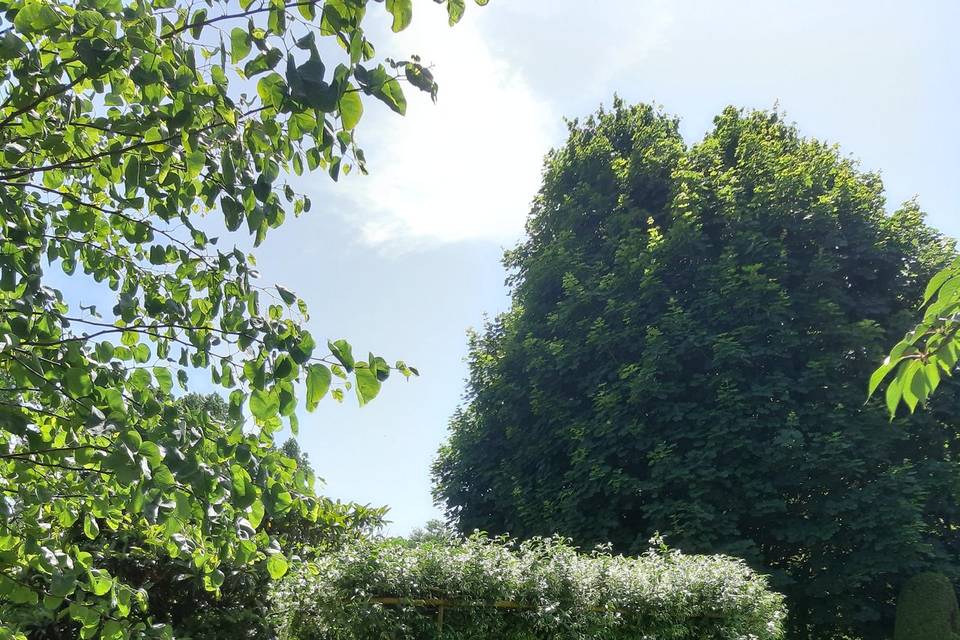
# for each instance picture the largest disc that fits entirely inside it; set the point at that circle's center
(441, 603)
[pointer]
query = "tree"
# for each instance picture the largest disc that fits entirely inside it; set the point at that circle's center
(433, 531)
(684, 354)
(122, 125)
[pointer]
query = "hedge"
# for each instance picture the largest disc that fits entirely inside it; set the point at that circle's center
(483, 588)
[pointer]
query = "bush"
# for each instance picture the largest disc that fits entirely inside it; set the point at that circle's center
(927, 609)
(483, 588)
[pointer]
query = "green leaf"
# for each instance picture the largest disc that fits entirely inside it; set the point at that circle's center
(318, 383)
(113, 630)
(368, 386)
(240, 44)
(100, 582)
(289, 297)
(272, 89)
(455, 9)
(893, 396)
(264, 404)
(10, 46)
(391, 93)
(277, 566)
(35, 17)
(256, 513)
(214, 580)
(132, 439)
(277, 19)
(263, 62)
(195, 162)
(197, 22)
(164, 379)
(140, 379)
(21, 594)
(343, 352)
(351, 108)
(141, 353)
(78, 382)
(402, 12)
(907, 377)
(936, 282)
(931, 372)
(878, 376)
(86, 616)
(90, 527)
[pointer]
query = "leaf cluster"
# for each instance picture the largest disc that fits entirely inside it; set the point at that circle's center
(929, 351)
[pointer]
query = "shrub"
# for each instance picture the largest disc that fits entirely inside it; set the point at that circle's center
(482, 588)
(927, 609)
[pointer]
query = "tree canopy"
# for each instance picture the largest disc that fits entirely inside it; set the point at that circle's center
(134, 134)
(686, 352)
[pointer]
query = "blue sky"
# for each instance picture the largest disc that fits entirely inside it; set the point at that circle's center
(404, 261)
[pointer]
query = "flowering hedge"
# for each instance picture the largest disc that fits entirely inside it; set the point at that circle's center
(479, 588)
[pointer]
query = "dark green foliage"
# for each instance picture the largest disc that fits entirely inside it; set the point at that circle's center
(688, 349)
(499, 590)
(927, 609)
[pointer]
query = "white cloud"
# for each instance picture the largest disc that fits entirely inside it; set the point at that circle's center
(465, 168)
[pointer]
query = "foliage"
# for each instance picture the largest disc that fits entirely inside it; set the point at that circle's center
(123, 125)
(685, 353)
(433, 531)
(183, 600)
(539, 589)
(927, 609)
(929, 351)
(238, 609)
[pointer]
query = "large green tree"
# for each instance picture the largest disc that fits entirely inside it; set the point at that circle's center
(686, 353)
(132, 135)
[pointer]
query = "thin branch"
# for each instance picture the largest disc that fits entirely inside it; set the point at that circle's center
(70, 162)
(37, 452)
(35, 410)
(231, 16)
(90, 125)
(114, 212)
(46, 96)
(54, 465)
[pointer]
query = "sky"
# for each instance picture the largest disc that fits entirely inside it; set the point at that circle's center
(404, 261)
